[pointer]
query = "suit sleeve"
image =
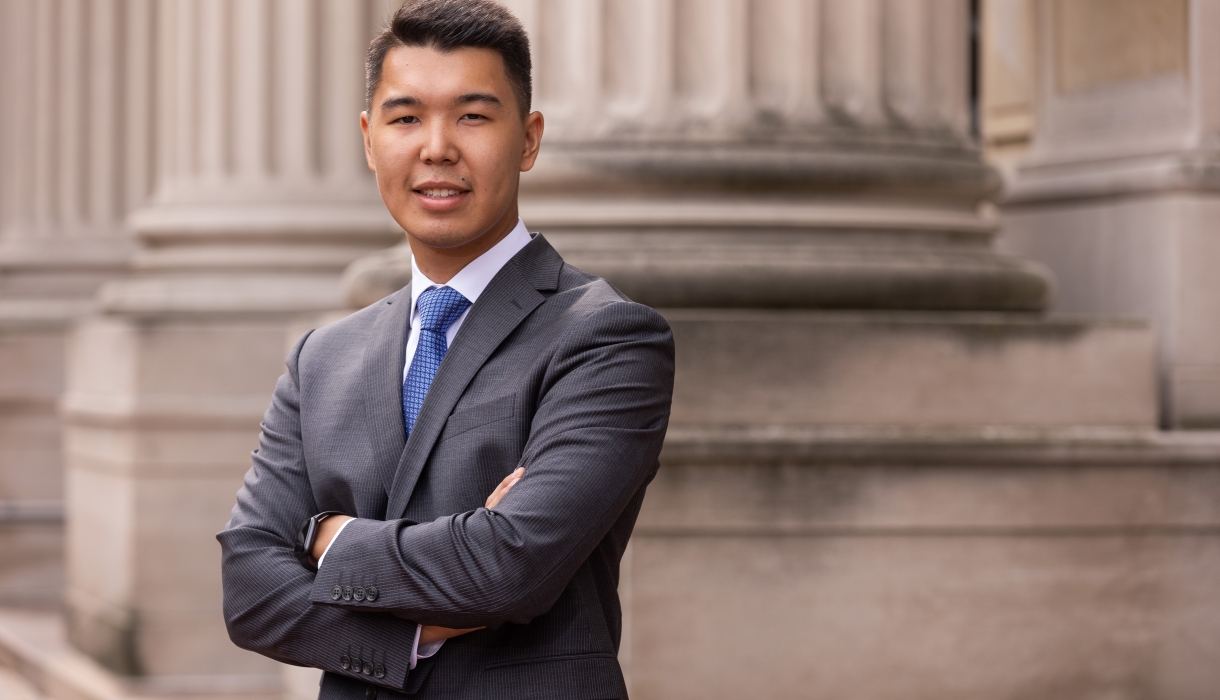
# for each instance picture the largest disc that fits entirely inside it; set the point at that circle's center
(593, 445)
(266, 589)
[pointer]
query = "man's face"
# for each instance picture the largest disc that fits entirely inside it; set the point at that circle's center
(447, 142)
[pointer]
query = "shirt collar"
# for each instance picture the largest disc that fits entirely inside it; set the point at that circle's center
(471, 280)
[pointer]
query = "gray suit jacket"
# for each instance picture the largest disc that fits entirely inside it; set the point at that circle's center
(553, 370)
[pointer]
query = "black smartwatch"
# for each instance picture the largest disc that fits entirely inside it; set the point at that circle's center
(309, 536)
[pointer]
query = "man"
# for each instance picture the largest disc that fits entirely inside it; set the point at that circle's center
(446, 480)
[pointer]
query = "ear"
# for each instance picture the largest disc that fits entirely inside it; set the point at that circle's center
(368, 143)
(534, 124)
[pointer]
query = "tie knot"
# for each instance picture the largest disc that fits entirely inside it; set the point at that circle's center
(439, 307)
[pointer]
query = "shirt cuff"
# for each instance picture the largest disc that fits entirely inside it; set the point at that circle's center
(429, 650)
(332, 542)
(423, 652)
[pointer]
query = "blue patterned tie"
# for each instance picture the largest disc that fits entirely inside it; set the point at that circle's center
(438, 307)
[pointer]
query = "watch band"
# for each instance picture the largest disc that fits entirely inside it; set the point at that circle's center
(308, 537)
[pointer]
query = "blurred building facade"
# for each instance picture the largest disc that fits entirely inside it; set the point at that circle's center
(892, 469)
(1118, 191)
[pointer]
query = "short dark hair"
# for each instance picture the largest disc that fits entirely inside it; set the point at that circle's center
(447, 25)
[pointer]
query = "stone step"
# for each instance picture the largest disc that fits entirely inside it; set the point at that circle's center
(36, 659)
(14, 687)
(34, 649)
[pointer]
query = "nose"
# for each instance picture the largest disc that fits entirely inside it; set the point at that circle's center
(439, 146)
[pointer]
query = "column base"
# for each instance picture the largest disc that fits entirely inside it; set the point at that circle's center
(751, 271)
(732, 250)
(61, 270)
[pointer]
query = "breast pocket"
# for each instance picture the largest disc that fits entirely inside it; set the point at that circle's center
(479, 415)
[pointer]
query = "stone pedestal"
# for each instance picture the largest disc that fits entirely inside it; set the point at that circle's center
(76, 133)
(909, 370)
(1119, 191)
(902, 504)
(927, 564)
(262, 198)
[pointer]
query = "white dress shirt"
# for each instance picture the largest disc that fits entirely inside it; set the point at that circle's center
(470, 282)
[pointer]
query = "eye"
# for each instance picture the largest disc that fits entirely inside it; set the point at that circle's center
(473, 117)
(406, 120)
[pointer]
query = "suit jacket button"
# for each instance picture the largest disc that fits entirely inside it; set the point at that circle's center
(345, 662)
(371, 593)
(358, 594)
(379, 671)
(347, 592)
(368, 668)
(336, 593)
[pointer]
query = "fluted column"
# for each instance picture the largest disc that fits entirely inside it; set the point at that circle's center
(78, 132)
(262, 197)
(731, 69)
(768, 153)
(75, 158)
(263, 183)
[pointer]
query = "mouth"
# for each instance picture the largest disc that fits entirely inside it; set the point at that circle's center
(435, 193)
(440, 196)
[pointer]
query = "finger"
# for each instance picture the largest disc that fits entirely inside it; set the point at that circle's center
(494, 499)
(512, 480)
(515, 474)
(431, 633)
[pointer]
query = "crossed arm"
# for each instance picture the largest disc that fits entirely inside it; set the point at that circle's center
(429, 634)
(594, 440)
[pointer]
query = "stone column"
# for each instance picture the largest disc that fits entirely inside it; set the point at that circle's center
(76, 157)
(262, 198)
(1119, 193)
(768, 153)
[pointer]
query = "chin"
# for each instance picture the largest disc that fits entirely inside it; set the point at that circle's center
(446, 234)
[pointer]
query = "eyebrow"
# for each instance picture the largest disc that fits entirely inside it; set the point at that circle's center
(394, 102)
(468, 98)
(476, 97)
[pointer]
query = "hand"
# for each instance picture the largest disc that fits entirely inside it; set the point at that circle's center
(431, 633)
(509, 481)
(327, 529)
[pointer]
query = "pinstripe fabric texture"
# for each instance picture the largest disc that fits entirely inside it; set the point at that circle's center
(552, 370)
(439, 307)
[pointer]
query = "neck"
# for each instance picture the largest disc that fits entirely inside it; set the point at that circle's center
(441, 264)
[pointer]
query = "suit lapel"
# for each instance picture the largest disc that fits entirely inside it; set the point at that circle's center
(510, 297)
(384, 359)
